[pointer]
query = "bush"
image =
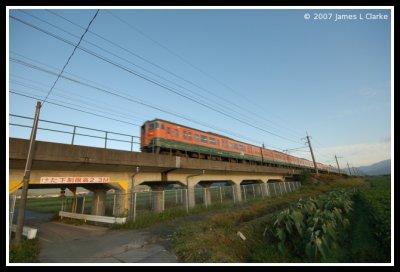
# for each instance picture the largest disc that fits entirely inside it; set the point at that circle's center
(305, 178)
(26, 252)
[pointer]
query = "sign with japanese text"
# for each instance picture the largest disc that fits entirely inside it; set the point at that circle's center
(60, 180)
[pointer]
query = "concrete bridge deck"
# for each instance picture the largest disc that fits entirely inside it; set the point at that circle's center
(125, 169)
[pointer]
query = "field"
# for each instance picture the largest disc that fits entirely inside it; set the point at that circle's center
(297, 228)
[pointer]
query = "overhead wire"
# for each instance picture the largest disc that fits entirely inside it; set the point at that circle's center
(171, 73)
(140, 102)
(69, 58)
(168, 88)
(193, 66)
(134, 64)
(202, 96)
(87, 104)
(60, 105)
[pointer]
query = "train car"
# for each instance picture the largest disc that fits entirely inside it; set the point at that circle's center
(160, 136)
(164, 137)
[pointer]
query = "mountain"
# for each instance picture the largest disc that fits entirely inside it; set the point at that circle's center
(379, 168)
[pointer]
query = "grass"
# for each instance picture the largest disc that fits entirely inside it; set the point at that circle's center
(26, 252)
(370, 238)
(150, 218)
(42, 205)
(215, 239)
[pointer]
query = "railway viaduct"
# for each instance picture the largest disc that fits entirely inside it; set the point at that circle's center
(99, 170)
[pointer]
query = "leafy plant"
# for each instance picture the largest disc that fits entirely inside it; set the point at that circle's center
(311, 227)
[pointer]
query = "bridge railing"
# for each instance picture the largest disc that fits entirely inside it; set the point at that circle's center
(73, 131)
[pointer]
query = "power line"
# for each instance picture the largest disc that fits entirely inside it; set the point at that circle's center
(292, 149)
(151, 80)
(224, 99)
(73, 52)
(124, 59)
(59, 105)
(87, 107)
(113, 111)
(167, 87)
(190, 64)
(146, 104)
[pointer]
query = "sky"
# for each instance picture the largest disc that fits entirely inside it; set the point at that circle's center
(262, 76)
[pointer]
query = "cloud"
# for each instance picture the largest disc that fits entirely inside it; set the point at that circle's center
(359, 154)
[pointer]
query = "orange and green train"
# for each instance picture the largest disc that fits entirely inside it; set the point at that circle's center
(163, 137)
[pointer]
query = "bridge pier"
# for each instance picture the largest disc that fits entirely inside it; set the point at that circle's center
(119, 203)
(206, 191)
(190, 199)
(99, 202)
(237, 192)
(157, 197)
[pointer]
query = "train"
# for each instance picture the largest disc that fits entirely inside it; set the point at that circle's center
(164, 137)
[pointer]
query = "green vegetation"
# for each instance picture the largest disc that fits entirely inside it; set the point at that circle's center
(43, 205)
(346, 220)
(309, 229)
(370, 235)
(305, 177)
(151, 218)
(216, 240)
(26, 252)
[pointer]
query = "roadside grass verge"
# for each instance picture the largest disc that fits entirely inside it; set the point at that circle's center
(151, 218)
(26, 252)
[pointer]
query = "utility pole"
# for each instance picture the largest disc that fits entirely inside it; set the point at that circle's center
(27, 174)
(348, 168)
(262, 154)
(312, 155)
(354, 171)
(337, 164)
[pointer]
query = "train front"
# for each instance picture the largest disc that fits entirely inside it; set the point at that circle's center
(148, 134)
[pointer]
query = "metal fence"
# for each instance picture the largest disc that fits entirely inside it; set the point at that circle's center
(142, 204)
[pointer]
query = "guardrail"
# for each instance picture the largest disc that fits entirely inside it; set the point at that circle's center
(75, 133)
(95, 218)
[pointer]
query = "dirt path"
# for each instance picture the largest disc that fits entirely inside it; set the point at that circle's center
(65, 243)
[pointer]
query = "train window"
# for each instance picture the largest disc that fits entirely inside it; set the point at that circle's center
(176, 133)
(196, 138)
(168, 130)
(212, 141)
(189, 136)
(204, 139)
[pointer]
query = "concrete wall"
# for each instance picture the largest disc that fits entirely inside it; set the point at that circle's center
(72, 157)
